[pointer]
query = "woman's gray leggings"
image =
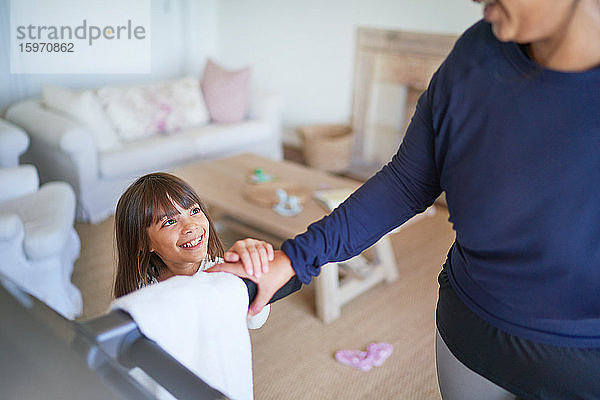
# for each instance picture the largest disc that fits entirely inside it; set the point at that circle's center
(457, 382)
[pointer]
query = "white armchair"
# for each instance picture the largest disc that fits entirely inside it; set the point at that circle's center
(38, 243)
(13, 143)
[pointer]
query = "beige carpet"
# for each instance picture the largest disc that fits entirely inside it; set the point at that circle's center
(293, 352)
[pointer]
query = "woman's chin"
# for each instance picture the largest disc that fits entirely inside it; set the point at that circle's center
(497, 31)
(503, 34)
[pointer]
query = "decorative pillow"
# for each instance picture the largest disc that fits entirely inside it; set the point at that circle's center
(141, 111)
(86, 109)
(187, 105)
(225, 92)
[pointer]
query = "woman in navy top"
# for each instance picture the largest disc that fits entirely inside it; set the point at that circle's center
(509, 129)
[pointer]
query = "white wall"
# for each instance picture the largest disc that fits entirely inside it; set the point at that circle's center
(183, 34)
(305, 49)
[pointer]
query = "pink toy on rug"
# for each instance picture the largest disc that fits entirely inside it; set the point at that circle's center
(375, 355)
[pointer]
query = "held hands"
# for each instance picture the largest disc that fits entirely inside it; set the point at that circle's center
(254, 255)
(280, 273)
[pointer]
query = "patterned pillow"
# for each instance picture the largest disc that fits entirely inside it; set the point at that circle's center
(85, 108)
(144, 110)
(225, 92)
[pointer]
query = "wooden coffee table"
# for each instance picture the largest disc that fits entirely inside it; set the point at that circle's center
(220, 184)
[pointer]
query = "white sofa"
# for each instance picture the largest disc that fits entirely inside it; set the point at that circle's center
(65, 149)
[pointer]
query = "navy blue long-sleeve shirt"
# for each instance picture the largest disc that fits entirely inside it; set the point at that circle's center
(516, 148)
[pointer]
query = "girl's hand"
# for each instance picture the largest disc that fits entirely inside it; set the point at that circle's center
(253, 254)
(281, 272)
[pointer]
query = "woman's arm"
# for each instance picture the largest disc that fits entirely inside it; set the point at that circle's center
(291, 286)
(406, 186)
(277, 283)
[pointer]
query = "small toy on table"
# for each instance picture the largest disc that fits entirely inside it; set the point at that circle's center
(287, 205)
(259, 176)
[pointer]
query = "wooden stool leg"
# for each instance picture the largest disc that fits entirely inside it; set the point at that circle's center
(387, 260)
(326, 293)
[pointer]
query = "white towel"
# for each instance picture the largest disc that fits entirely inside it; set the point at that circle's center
(201, 321)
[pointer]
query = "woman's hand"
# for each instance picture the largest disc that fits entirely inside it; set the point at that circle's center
(253, 254)
(280, 273)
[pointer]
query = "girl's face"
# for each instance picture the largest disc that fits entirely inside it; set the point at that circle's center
(181, 240)
(527, 21)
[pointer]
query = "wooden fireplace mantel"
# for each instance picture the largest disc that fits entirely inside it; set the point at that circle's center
(404, 58)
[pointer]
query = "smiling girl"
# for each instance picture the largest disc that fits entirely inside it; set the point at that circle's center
(163, 229)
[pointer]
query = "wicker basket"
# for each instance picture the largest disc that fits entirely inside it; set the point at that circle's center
(327, 147)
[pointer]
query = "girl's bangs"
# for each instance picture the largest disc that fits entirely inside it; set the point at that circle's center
(163, 198)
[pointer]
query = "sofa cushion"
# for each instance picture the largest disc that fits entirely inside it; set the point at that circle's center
(225, 92)
(153, 153)
(163, 152)
(222, 139)
(85, 108)
(143, 110)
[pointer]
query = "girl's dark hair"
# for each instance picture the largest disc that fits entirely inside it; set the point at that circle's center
(140, 206)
